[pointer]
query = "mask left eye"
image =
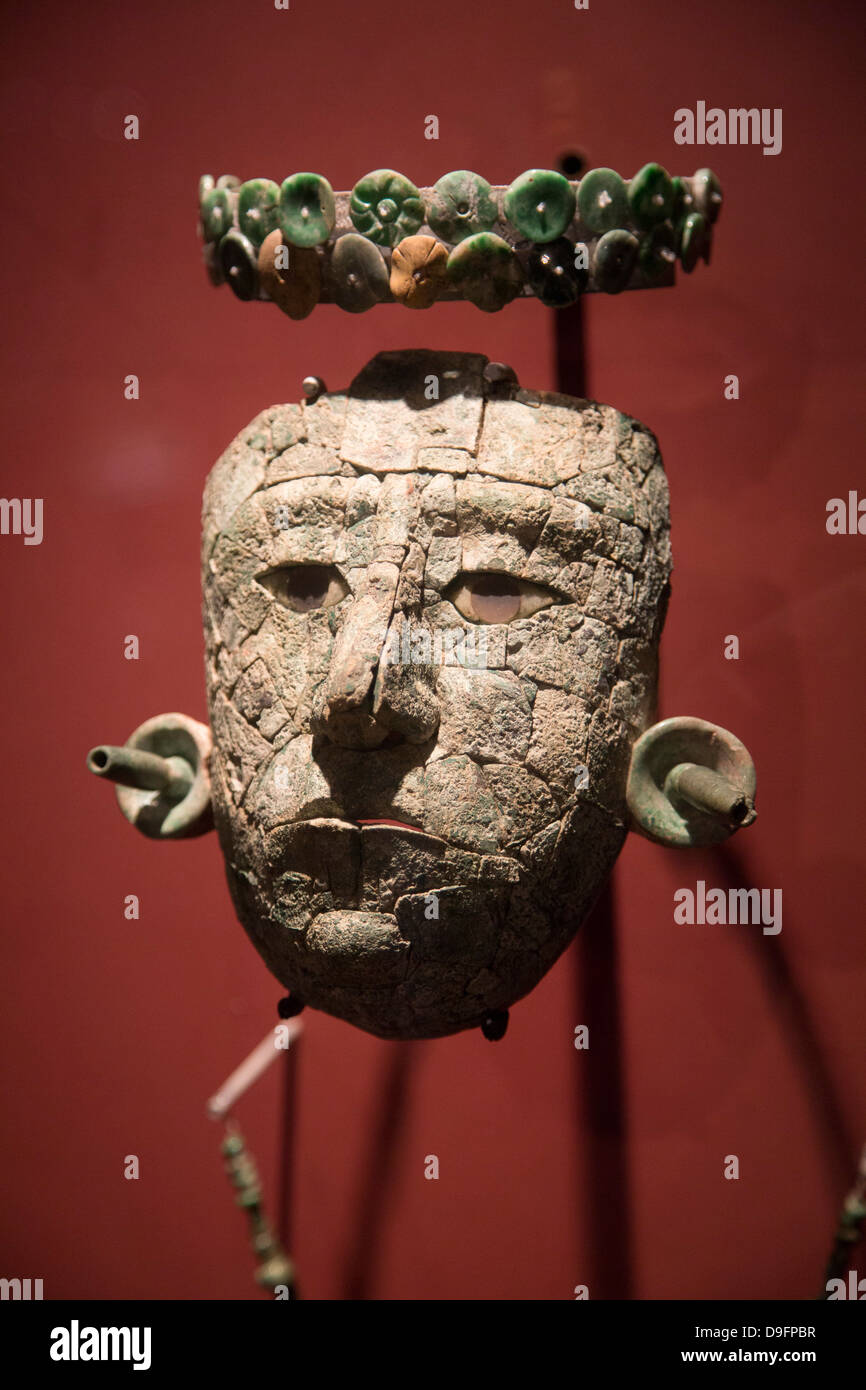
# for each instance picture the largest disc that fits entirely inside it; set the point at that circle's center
(305, 588)
(497, 598)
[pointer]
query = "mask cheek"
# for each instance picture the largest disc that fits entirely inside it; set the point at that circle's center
(484, 714)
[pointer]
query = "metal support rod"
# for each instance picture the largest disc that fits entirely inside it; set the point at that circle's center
(601, 1109)
(707, 791)
(132, 767)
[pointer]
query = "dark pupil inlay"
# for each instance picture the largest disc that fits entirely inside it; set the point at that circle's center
(495, 597)
(306, 586)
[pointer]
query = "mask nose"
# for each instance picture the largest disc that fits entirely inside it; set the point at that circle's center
(373, 690)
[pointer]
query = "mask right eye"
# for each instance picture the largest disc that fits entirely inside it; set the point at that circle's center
(305, 588)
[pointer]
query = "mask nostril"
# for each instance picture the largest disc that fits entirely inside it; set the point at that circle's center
(347, 728)
(393, 739)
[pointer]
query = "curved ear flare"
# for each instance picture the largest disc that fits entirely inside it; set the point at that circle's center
(162, 776)
(690, 783)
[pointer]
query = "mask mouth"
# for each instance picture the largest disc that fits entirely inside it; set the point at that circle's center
(386, 833)
(341, 821)
(305, 845)
(372, 822)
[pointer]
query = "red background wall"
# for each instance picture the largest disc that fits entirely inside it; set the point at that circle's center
(558, 1167)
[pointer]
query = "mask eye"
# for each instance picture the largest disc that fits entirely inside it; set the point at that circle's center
(497, 598)
(305, 588)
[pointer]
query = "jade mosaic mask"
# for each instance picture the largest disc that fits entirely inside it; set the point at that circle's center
(432, 608)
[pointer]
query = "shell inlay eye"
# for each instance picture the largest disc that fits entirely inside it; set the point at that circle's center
(305, 588)
(497, 598)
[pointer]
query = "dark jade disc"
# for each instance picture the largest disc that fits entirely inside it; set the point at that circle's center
(540, 204)
(461, 204)
(216, 214)
(307, 211)
(615, 256)
(651, 196)
(694, 240)
(486, 271)
(239, 264)
(658, 251)
(360, 274)
(258, 209)
(707, 194)
(551, 272)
